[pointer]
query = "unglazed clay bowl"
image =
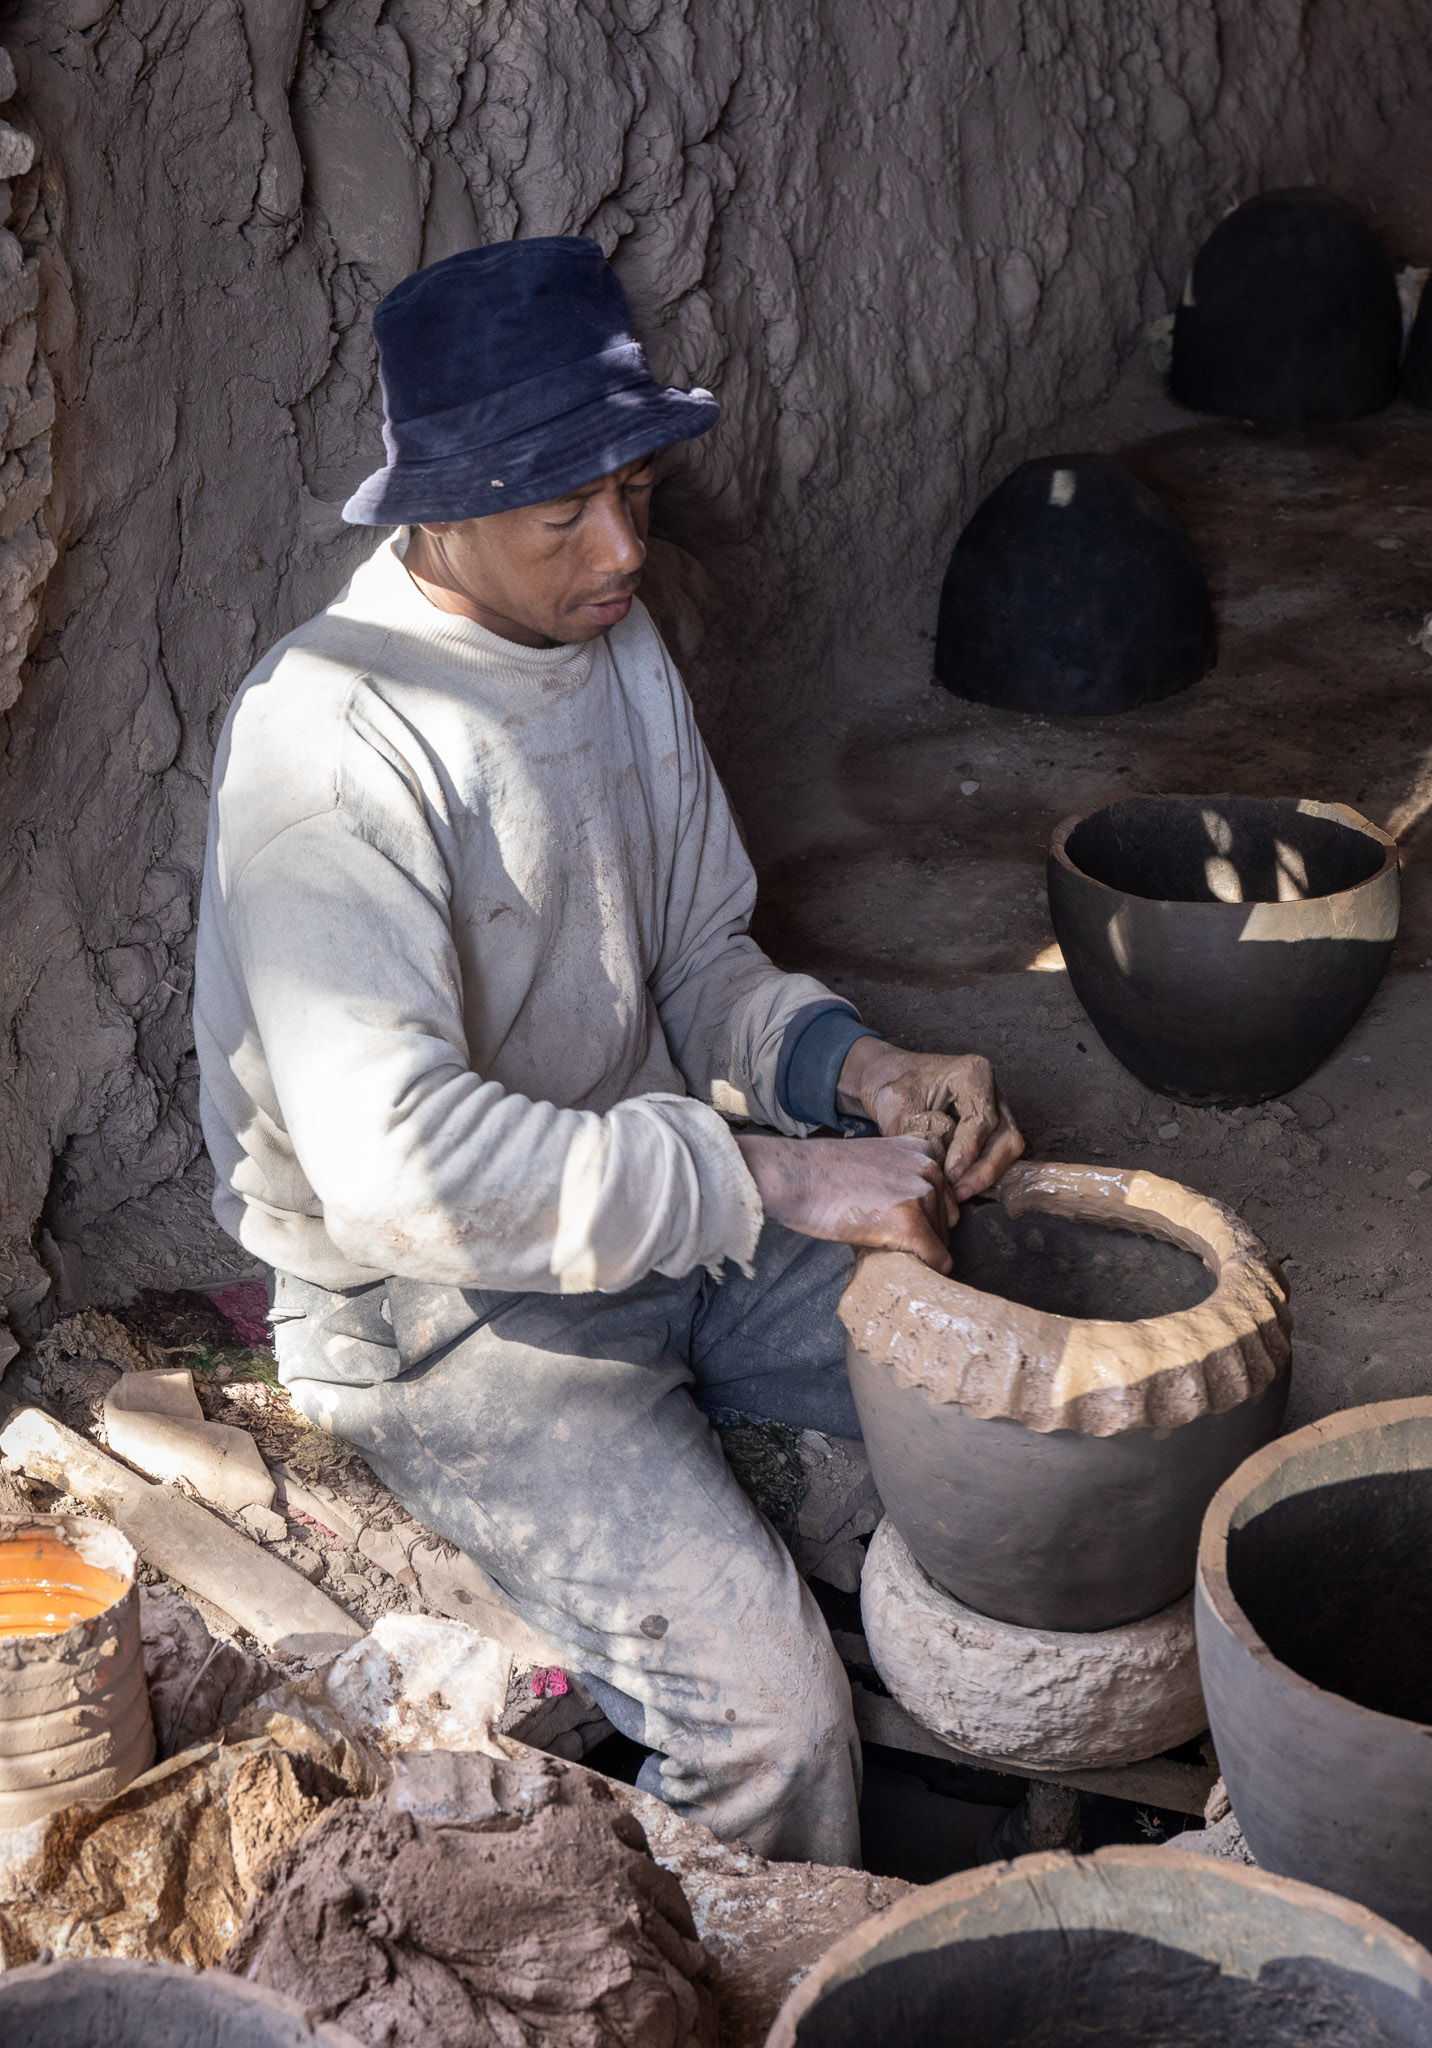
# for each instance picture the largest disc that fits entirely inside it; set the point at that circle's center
(1314, 1619)
(1122, 1949)
(1046, 1433)
(1223, 946)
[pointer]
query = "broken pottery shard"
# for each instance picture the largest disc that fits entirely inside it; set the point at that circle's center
(184, 1541)
(153, 1419)
(533, 1911)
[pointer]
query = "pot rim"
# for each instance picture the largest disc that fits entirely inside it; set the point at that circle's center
(1236, 1336)
(1342, 814)
(965, 1885)
(1211, 1584)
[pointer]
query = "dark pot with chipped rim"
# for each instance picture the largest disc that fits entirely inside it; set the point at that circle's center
(1313, 1611)
(1127, 1947)
(1223, 946)
(1051, 1469)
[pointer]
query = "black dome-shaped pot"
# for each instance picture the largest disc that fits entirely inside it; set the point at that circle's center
(1122, 1949)
(1417, 363)
(1290, 313)
(1314, 1620)
(1223, 945)
(1073, 590)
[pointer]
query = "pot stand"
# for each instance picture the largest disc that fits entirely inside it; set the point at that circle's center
(1026, 1698)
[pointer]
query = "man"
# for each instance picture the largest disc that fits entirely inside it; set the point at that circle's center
(474, 998)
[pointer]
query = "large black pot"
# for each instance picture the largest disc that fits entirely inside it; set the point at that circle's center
(1122, 1949)
(1314, 1619)
(1073, 590)
(1290, 314)
(105, 2002)
(1417, 363)
(1223, 945)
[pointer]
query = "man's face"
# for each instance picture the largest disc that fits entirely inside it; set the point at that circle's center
(543, 575)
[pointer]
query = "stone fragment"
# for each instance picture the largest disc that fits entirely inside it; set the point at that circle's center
(1312, 1110)
(1418, 1181)
(153, 1419)
(1168, 1132)
(17, 151)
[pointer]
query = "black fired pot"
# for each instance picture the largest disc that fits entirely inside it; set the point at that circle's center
(1417, 363)
(1290, 314)
(1123, 1949)
(1314, 1618)
(1073, 590)
(1223, 945)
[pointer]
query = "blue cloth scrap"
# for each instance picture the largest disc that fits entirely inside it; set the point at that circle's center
(812, 1055)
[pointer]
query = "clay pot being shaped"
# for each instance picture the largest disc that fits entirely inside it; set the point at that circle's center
(74, 1705)
(1223, 946)
(104, 2002)
(1046, 1433)
(1417, 362)
(1314, 1619)
(1290, 313)
(1121, 1949)
(1073, 590)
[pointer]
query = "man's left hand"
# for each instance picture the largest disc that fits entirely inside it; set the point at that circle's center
(950, 1097)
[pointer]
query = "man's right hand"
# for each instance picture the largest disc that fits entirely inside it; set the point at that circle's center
(886, 1192)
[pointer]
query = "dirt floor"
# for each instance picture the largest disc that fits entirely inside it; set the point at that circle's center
(902, 856)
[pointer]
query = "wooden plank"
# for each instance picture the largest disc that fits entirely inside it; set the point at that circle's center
(1157, 1782)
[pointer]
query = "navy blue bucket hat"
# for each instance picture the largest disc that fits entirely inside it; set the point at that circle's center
(511, 375)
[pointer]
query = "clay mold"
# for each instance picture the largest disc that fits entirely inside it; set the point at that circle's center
(1073, 590)
(1223, 946)
(1314, 1619)
(1123, 1948)
(1290, 314)
(1048, 1462)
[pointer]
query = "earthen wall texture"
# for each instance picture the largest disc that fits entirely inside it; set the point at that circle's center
(893, 237)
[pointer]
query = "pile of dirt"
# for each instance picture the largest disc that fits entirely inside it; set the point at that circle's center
(537, 1918)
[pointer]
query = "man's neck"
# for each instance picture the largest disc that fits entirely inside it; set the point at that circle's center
(444, 595)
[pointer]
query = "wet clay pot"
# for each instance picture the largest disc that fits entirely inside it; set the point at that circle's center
(1223, 946)
(1122, 1949)
(1046, 1455)
(1290, 314)
(1073, 591)
(1314, 1621)
(101, 2002)
(74, 1705)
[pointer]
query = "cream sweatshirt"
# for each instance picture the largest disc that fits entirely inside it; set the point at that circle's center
(473, 975)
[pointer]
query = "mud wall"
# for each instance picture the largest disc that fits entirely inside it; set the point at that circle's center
(893, 237)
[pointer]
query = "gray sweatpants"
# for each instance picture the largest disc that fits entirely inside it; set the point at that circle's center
(559, 1441)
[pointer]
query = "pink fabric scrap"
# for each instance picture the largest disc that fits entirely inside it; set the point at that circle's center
(550, 1683)
(246, 1306)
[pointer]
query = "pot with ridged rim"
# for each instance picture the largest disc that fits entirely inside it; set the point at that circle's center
(1052, 1468)
(1124, 1948)
(1313, 1612)
(1223, 946)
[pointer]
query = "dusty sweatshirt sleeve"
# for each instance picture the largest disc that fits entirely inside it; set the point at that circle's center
(341, 932)
(724, 1006)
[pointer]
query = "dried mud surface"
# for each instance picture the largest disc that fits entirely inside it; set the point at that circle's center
(926, 904)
